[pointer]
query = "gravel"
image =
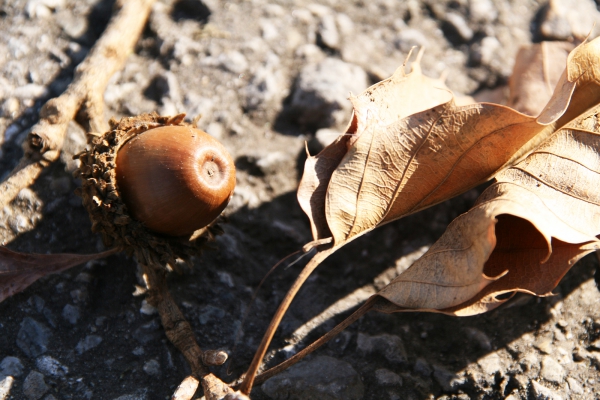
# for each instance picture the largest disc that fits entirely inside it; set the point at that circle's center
(321, 378)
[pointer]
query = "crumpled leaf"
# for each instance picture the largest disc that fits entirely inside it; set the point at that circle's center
(548, 212)
(401, 155)
(19, 270)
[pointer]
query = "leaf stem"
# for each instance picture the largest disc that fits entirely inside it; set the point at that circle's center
(248, 382)
(366, 307)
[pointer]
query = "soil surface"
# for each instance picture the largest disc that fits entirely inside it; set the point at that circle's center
(268, 77)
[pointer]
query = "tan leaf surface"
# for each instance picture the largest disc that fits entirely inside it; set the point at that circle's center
(19, 270)
(537, 70)
(548, 212)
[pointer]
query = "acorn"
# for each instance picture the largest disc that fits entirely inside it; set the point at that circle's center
(155, 187)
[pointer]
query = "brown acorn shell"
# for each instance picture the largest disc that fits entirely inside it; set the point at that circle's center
(175, 179)
(108, 212)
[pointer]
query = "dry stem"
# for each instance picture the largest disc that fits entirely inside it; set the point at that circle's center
(248, 382)
(366, 307)
(83, 99)
(180, 333)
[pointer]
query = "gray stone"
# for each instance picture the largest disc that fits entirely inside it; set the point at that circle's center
(210, 313)
(460, 26)
(328, 33)
(385, 377)
(148, 332)
(421, 367)
(320, 98)
(233, 61)
(50, 366)
(266, 85)
(543, 393)
(152, 368)
(389, 346)
(322, 378)
(11, 366)
(574, 386)
(33, 337)
(490, 364)
(5, 386)
(482, 11)
(88, 343)
(34, 386)
(71, 313)
(551, 370)
(449, 381)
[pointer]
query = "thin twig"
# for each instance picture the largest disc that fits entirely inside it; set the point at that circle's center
(366, 307)
(248, 382)
(179, 332)
(83, 99)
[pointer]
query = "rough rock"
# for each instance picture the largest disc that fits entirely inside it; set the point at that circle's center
(71, 313)
(33, 337)
(551, 370)
(320, 98)
(389, 346)
(88, 343)
(50, 366)
(541, 392)
(385, 377)
(322, 378)
(34, 386)
(152, 367)
(11, 366)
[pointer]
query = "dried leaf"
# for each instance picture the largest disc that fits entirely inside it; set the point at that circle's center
(387, 167)
(548, 212)
(537, 70)
(19, 270)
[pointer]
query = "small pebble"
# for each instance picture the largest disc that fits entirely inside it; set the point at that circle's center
(71, 313)
(152, 368)
(50, 366)
(33, 337)
(421, 367)
(11, 366)
(327, 33)
(460, 26)
(541, 392)
(385, 377)
(88, 343)
(34, 386)
(551, 370)
(575, 386)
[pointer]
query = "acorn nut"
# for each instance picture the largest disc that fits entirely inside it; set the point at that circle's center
(175, 179)
(154, 186)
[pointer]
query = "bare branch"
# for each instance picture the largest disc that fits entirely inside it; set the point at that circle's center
(83, 97)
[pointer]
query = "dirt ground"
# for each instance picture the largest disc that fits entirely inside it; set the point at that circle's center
(266, 78)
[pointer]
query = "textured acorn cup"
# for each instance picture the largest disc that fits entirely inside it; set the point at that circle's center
(174, 179)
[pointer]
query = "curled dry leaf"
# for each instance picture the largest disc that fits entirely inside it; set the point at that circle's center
(19, 270)
(401, 155)
(547, 209)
